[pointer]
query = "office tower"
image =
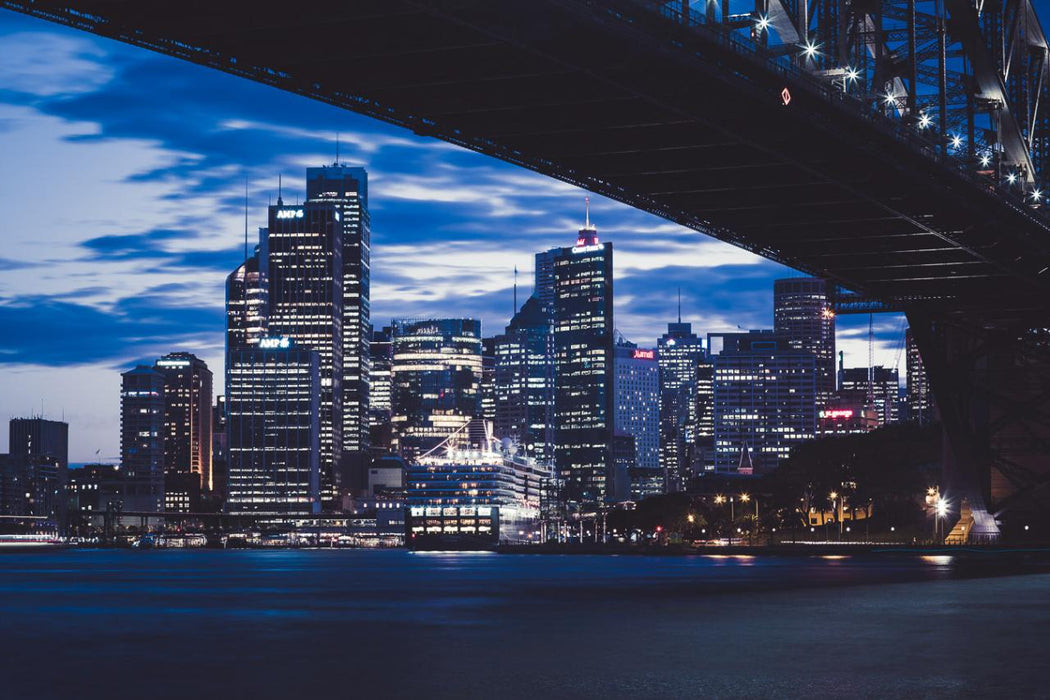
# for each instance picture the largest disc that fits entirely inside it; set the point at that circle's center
(487, 391)
(680, 355)
(879, 385)
(304, 253)
(525, 382)
(37, 469)
(346, 189)
(187, 420)
(919, 397)
(636, 395)
(583, 366)
(274, 429)
(247, 303)
(802, 314)
(435, 382)
(142, 438)
(219, 450)
(381, 352)
(764, 399)
(543, 286)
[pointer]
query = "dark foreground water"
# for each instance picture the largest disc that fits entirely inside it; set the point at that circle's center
(351, 624)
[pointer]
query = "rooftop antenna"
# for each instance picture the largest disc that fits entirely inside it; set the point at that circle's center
(280, 202)
(515, 309)
(679, 304)
(587, 208)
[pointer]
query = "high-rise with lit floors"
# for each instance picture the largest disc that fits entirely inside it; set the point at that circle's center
(381, 351)
(274, 429)
(584, 408)
(636, 392)
(919, 398)
(681, 357)
(187, 421)
(247, 304)
(524, 384)
(37, 469)
(877, 388)
(435, 382)
(304, 268)
(142, 438)
(802, 314)
(346, 189)
(764, 399)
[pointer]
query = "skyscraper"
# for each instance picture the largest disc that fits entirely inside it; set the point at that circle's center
(37, 468)
(435, 381)
(636, 392)
(304, 252)
(273, 413)
(142, 438)
(919, 397)
(187, 418)
(680, 354)
(802, 314)
(877, 388)
(247, 303)
(764, 399)
(346, 188)
(381, 351)
(583, 365)
(525, 382)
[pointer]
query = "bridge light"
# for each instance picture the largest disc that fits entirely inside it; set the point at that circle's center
(762, 23)
(985, 160)
(1037, 195)
(852, 74)
(809, 49)
(924, 121)
(956, 141)
(890, 99)
(1011, 178)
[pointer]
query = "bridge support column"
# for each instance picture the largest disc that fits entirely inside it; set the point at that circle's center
(991, 385)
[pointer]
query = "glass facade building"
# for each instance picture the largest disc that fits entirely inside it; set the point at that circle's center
(877, 387)
(345, 188)
(584, 408)
(142, 438)
(435, 382)
(274, 429)
(187, 418)
(636, 394)
(685, 409)
(802, 314)
(919, 397)
(524, 382)
(764, 399)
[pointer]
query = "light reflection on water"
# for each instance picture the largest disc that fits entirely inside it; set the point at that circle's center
(352, 623)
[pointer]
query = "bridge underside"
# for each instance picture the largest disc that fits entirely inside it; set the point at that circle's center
(629, 99)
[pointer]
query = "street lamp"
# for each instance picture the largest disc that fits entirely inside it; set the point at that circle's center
(941, 510)
(834, 495)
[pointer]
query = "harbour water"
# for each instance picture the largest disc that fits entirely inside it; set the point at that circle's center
(351, 624)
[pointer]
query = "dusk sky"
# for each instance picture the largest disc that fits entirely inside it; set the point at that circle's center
(122, 200)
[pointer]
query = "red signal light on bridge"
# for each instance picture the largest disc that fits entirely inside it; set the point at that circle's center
(785, 97)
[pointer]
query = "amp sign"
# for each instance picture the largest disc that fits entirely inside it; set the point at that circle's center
(290, 214)
(274, 343)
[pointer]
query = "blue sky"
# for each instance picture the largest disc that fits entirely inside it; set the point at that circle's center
(122, 212)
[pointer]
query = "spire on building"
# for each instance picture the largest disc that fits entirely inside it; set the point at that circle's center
(280, 202)
(589, 232)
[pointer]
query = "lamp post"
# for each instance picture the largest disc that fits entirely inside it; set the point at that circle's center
(942, 510)
(744, 498)
(834, 496)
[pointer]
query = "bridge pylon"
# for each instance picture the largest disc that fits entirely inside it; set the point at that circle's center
(991, 384)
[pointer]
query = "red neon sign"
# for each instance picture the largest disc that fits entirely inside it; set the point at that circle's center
(644, 355)
(837, 413)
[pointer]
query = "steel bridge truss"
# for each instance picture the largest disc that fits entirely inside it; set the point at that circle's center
(971, 78)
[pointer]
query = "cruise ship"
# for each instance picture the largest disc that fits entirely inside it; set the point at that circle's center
(474, 498)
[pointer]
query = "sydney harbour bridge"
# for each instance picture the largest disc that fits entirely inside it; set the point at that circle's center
(900, 148)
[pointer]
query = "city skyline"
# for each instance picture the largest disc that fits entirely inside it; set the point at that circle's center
(139, 250)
